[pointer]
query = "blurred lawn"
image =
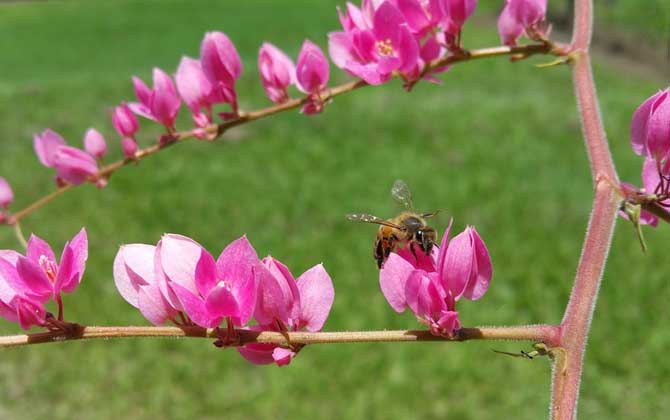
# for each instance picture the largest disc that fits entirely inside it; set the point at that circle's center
(497, 144)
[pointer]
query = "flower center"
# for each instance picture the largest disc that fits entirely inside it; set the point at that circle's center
(225, 284)
(385, 47)
(50, 268)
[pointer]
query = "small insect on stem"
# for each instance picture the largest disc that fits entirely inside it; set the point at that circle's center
(409, 228)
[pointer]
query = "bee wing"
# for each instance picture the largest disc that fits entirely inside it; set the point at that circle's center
(368, 218)
(401, 193)
(429, 215)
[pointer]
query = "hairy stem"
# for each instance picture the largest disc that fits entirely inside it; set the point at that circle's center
(246, 117)
(537, 333)
(577, 318)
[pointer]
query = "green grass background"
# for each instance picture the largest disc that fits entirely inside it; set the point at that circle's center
(498, 145)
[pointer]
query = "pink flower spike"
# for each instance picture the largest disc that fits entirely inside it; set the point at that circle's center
(195, 89)
(312, 69)
(316, 298)
(46, 145)
(74, 165)
(6, 193)
(124, 120)
(221, 65)
(277, 72)
(94, 143)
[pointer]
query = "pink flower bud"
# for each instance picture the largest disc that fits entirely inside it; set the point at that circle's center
(221, 65)
(124, 121)
(312, 69)
(6, 193)
(277, 72)
(46, 145)
(129, 147)
(74, 165)
(94, 143)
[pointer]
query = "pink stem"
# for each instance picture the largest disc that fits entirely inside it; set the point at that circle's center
(577, 318)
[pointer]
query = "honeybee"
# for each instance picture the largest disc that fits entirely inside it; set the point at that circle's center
(408, 228)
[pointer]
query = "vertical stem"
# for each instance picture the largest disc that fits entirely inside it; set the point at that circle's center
(19, 235)
(577, 318)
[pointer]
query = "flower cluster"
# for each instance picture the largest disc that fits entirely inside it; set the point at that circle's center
(431, 285)
(179, 281)
(28, 282)
(381, 39)
(650, 138)
(523, 16)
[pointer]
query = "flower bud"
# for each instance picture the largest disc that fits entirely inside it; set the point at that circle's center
(129, 147)
(277, 72)
(94, 143)
(6, 193)
(124, 121)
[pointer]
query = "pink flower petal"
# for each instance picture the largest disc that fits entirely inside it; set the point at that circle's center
(194, 306)
(222, 303)
(483, 270)
(658, 126)
(33, 284)
(74, 165)
(164, 100)
(458, 264)
(46, 144)
(312, 68)
(205, 273)
(316, 298)
(282, 356)
(29, 313)
(94, 143)
(8, 277)
(133, 268)
(270, 300)
(638, 125)
(142, 92)
(392, 279)
(258, 353)
(179, 257)
(38, 248)
(508, 27)
(153, 305)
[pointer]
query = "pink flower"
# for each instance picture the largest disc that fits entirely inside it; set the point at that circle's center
(650, 127)
(94, 143)
(6, 193)
(124, 121)
(160, 104)
(71, 164)
(422, 16)
(518, 16)
(208, 290)
(431, 285)
(312, 74)
(284, 304)
(196, 90)
(136, 282)
(374, 54)
(27, 283)
(221, 65)
(277, 72)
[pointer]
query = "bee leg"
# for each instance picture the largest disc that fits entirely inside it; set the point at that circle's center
(411, 248)
(378, 253)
